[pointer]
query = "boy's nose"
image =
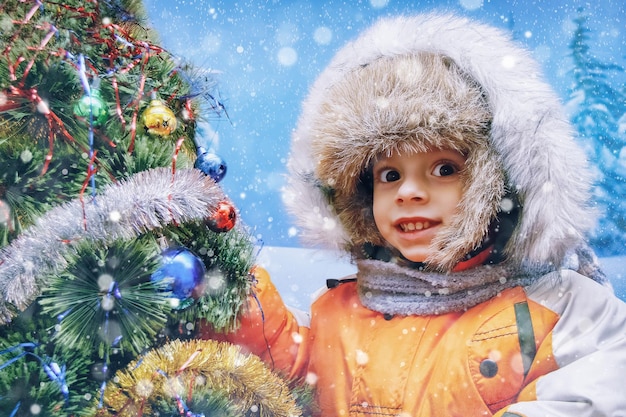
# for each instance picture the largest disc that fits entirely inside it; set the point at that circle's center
(413, 189)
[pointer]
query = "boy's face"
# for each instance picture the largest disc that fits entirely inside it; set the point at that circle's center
(415, 195)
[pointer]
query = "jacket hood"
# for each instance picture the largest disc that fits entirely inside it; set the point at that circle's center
(373, 99)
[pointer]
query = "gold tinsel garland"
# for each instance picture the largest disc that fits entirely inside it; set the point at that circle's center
(179, 369)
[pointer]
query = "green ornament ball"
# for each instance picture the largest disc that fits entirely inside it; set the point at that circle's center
(92, 104)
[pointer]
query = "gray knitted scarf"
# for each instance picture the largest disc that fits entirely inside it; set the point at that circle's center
(393, 289)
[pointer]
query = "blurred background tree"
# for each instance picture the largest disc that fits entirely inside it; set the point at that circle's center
(599, 115)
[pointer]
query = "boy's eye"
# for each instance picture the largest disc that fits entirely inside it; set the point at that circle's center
(388, 175)
(445, 169)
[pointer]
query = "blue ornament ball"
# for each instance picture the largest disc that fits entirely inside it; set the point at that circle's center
(210, 164)
(182, 274)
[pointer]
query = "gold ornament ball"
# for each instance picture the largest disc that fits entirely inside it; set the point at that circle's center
(159, 119)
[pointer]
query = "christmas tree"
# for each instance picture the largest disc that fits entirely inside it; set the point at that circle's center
(598, 110)
(115, 237)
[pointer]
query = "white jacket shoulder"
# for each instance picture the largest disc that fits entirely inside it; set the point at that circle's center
(589, 347)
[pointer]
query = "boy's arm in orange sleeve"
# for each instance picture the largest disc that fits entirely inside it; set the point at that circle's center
(269, 329)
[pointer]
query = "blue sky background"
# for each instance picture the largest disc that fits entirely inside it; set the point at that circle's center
(265, 54)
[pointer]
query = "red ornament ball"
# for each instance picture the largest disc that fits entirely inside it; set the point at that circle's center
(223, 218)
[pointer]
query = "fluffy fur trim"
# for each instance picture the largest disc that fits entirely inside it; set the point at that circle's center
(372, 100)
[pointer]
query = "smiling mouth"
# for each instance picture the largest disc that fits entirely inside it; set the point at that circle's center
(414, 226)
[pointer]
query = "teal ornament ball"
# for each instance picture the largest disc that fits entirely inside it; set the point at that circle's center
(210, 164)
(92, 105)
(182, 274)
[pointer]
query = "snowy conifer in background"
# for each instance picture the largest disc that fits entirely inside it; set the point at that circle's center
(599, 114)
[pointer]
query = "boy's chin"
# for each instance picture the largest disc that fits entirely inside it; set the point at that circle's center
(415, 256)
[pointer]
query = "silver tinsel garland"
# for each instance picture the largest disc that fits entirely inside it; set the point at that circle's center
(146, 201)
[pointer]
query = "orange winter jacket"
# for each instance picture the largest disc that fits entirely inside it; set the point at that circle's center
(548, 349)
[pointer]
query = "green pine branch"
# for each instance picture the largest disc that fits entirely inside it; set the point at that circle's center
(106, 298)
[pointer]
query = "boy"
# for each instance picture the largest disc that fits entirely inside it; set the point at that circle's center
(431, 151)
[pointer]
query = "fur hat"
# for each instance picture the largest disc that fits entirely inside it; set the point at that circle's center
(412, 83)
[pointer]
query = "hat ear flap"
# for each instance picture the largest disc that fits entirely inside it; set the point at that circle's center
(482, 196)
